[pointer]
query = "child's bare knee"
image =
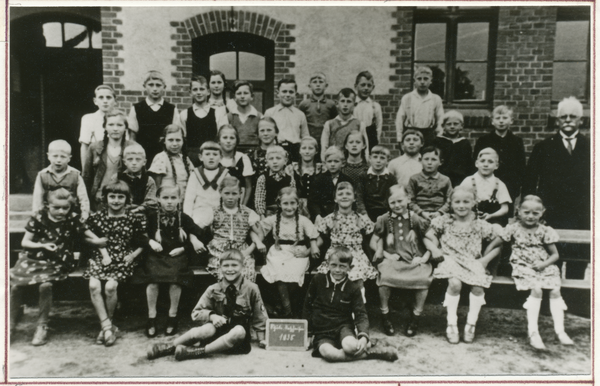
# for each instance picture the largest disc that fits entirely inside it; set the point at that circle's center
(45, 287)
(238, 333)
(111, 287)
(454, 285)
(555, 293)
(537, 292)
(95, 287)
(350, 345)
(329, 353)
(477, 291)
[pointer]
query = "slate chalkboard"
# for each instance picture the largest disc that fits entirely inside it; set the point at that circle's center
(287, 334)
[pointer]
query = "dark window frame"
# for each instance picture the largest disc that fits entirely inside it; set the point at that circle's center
(577, 13)
(452, 16)
(90, 30)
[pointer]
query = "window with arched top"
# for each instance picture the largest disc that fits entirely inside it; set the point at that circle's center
(71, 35)
(241, 56)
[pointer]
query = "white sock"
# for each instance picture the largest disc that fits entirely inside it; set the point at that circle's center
(475, 303)
(451, 304)
(557, 309)
(532, 305)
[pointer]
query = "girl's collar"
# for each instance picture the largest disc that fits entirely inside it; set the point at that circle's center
(231, 211)
(123, 214)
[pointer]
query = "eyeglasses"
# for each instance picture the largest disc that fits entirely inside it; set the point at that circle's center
(569, 116)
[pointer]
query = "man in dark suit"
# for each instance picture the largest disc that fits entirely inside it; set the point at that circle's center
(559, 171)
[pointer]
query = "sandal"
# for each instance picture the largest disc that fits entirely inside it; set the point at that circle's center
(171, 325)
(110, 335)
(151, 328)
(100, 338)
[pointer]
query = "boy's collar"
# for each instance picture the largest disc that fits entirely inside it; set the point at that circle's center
(204, 106)
(454, 140)
(405, 215)
(339, 118)
(50, 169)
(500, 135)
(322, 99)
(359, 99)
(137, 175)
(280, 106)
(426, 96)
(373, 172)
(251, 111)
(159, 102)
(435, 176)
(485, 178)
(237, 284)
(331, 280)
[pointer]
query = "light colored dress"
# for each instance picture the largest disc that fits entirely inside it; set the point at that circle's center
(282, 265)
(402, 273)
(528, 249)
(347, 230)
(461, 246)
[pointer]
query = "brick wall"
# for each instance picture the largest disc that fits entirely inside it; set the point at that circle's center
(111, 49)
(524, 67)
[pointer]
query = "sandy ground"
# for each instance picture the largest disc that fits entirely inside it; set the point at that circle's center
(501, 347)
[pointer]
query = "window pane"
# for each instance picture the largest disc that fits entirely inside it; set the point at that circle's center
(97, 40)
(430, 42)
(470, 81)
(76, 35)
(224, 62)
(572, 39)
(473, 41)
(438, 84)
(252, 66)
(53, 34)
(569, 80)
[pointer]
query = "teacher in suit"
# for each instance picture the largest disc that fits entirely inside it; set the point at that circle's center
(559, 171)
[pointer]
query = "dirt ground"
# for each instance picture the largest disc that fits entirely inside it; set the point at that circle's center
(501, 347)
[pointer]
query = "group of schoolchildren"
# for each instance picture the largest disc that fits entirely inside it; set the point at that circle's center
(318, 183)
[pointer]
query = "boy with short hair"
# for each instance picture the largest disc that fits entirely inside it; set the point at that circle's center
(270, 183)
(334, 309)
(148, 118)
(317, 108)
(374, 185)
(202, 192)
(456, 149)
(336, 130)
(321, 200)
(141, 185)
(245, 117)
(409, 163)
(509, 147)
(290, 120)
(92, 125)
(227, 311)
(367, 110)
(430, 191)
(421, 109)
(200, 121)
(60, 175)
(490, 192)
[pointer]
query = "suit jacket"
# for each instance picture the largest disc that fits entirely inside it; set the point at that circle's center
(562, 181)
(321, 199)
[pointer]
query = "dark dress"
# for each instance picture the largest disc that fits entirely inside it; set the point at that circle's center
(160, 267)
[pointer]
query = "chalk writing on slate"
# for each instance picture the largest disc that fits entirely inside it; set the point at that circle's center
(287, 334)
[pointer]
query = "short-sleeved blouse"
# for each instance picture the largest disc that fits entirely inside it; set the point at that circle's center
(345, 229)
(288, 229)
(161, 165)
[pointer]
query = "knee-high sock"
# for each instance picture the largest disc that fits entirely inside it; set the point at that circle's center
(557, 309)
(451, 304)
(532, 305)
(475, 303)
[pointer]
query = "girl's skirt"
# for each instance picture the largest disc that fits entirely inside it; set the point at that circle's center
(283, 266)
(28, 271)
(401, 274)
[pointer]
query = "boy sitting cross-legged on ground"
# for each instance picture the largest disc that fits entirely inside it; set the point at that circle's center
(334, 309)
(226, 311)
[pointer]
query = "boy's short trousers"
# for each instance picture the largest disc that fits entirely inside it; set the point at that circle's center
(241, 348)
(334, 338)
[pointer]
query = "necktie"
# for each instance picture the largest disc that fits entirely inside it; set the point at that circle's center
(569, 145)
(230, 296)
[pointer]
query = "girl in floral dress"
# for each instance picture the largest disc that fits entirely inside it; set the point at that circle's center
(533, 256)
(231, 225)
(347, 228)
(460, 235)
(295, 238)
(126, 236)
(47, 256)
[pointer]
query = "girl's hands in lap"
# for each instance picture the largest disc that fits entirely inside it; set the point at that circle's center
(177, 251)
(156, 247)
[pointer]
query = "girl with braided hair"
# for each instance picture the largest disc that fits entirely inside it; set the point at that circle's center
(295, 237)
(172, 166)
(174, 237)
(232, 225)
(401, 257)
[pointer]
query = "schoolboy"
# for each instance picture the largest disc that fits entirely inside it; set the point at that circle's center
(430, 191)
(317, 108)
(367, 110)
(456, 149)
(60, 175)
(490, 192)
(337, 317)
(421, 109)
(202, 192)
(200, 121)
(290, 120)
(374, 185)
(148, 118)
(92, 125)
(321, 200)
(336, 130)
(245, 117)
(227, 312)
(409, 163)
(141, 185)
(270, 183)
(509, 147)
